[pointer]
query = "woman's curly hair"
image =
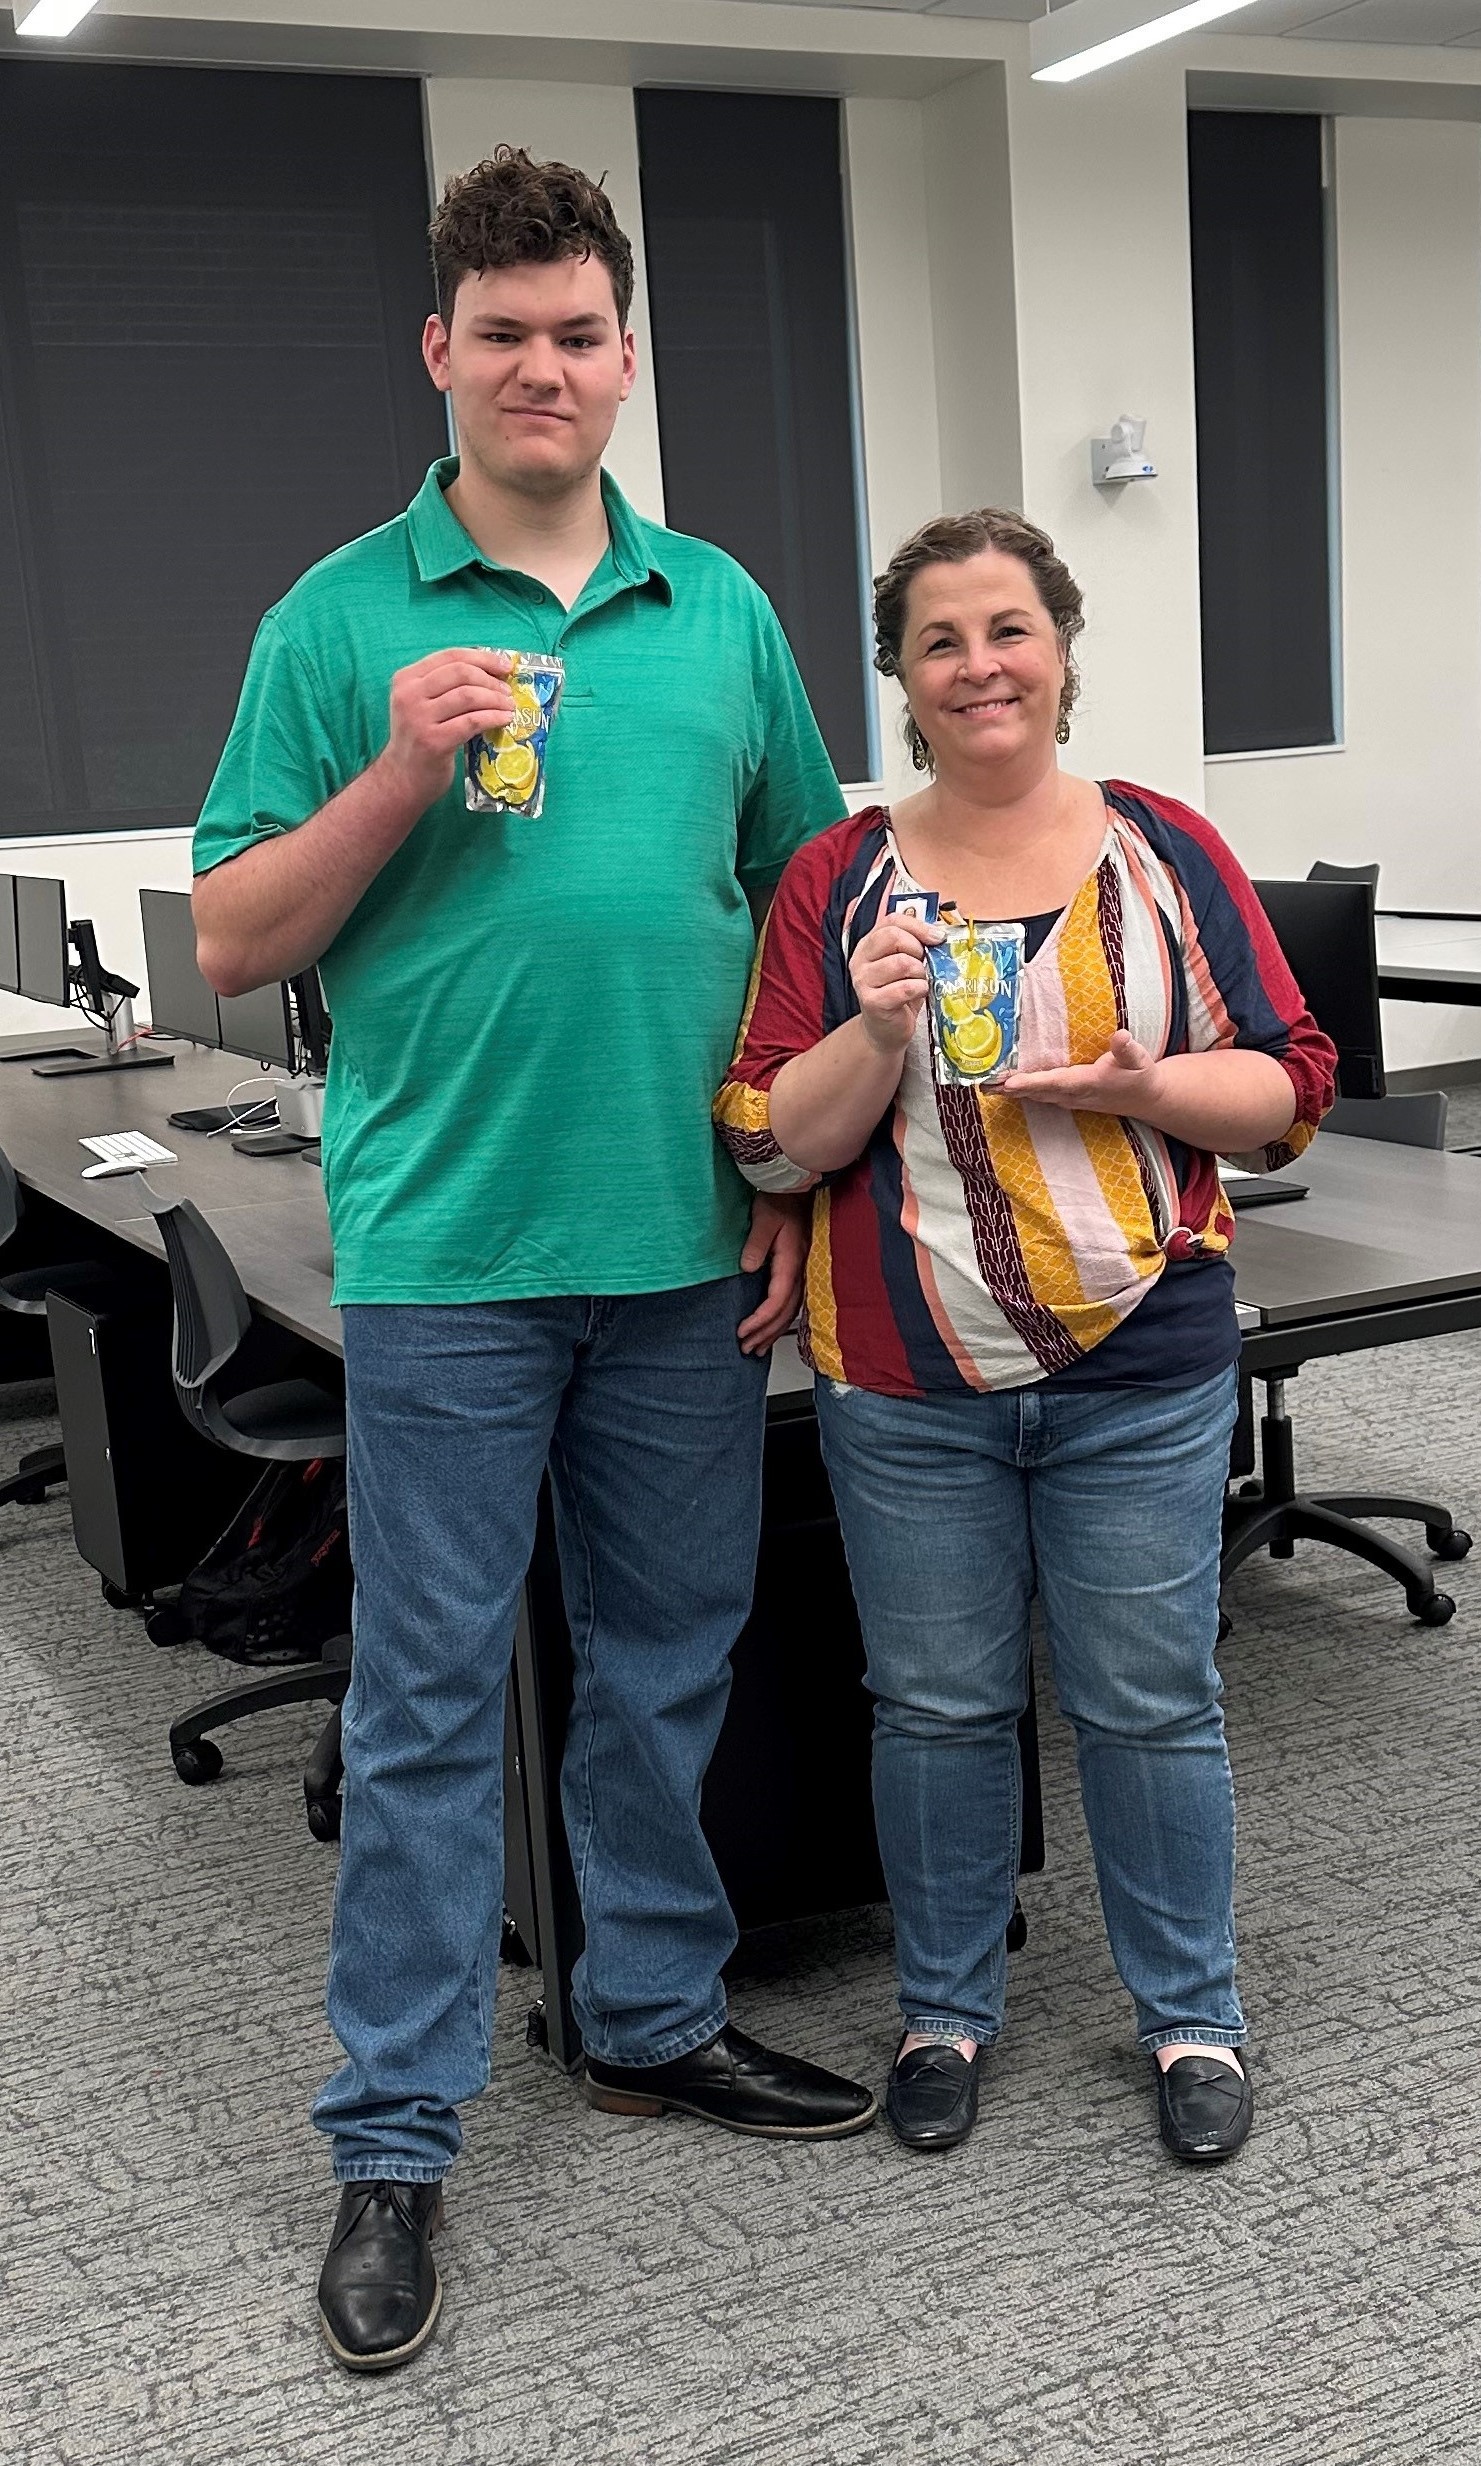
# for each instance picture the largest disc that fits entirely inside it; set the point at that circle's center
(509, 210)
(949, 540)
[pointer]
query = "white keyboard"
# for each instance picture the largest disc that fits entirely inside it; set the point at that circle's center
(124, 1151)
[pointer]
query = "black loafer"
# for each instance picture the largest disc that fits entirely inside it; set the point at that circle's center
(931, 2101)
(734, 2082)
(1204, 2108)
(379, 2291)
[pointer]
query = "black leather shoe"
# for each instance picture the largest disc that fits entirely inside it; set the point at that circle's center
(931, 2102)
(379, 2291)
(1204, 2108)
(734, 2082)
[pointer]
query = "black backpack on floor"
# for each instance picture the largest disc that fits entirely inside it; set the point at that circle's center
(277, 1584)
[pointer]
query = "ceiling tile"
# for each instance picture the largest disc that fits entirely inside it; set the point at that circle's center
(1417, 22)
(1016, 12)
(1280, 17)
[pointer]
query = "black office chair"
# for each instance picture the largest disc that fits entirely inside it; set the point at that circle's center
(292, 1421)
(1345, 873)
(1272, 1513)
(23, 1292)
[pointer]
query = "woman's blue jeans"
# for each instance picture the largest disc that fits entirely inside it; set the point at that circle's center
(955, 1511)
(652, 1421)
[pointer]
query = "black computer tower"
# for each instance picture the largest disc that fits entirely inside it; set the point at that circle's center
(148, 1494)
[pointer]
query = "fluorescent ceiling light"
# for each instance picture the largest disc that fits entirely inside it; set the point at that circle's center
(51, 17)
(1089, 34)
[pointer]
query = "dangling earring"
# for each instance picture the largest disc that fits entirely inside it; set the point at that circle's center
(1062, 732)
(920, 752)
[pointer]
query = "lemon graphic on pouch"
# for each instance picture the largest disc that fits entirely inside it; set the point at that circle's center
(978, 1041)
(517, 768)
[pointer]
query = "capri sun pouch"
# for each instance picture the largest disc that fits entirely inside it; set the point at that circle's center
(505, 772)
(975, 978)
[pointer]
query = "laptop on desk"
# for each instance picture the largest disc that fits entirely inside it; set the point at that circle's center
(1245, 1189)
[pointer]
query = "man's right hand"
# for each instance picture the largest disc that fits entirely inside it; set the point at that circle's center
(436, 705)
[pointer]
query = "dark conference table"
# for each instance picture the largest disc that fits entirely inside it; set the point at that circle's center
(1386, 1248)
(1383, 1230)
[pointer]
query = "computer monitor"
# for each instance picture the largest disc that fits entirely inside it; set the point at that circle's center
(181, 1003)
(47, 971)
(10, 969)
(258, 1025)
(312, 1020)
(1326, 932)
(42, 965)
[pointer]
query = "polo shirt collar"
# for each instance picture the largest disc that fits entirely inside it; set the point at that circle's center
(442, 547)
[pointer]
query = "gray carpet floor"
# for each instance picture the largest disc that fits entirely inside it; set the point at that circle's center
(624, 2291)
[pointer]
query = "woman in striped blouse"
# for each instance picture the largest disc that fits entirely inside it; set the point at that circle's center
(1020, 1308)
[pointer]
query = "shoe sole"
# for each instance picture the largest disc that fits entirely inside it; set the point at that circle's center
(937, 2142)
(1204, 2157)
(630, 2102)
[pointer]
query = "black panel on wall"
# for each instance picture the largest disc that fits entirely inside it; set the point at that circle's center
(212, 287)
(1260, 339)
(743, 222)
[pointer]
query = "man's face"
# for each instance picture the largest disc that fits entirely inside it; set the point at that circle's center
(536, 366)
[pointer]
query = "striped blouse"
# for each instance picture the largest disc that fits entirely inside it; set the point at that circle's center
(982, 1241)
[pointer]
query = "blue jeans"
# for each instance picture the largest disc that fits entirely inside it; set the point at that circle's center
(1108, 1503)
(652, 1421)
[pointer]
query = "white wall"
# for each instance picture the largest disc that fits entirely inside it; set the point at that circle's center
(894, 325)
(1100, 242)
(1406, 788)
(970, 228)
(1002, 323)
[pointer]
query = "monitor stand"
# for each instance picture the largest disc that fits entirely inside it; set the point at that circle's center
(52, 1053)
(70, 1062)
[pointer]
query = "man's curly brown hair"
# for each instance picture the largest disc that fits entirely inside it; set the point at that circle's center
(512, 211)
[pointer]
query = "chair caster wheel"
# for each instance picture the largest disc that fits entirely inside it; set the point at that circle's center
(512, 1946)
(1438, 1611)
(1250, 1489)
(323, 1815)
(1226, 1625)
(28, 1493)
(200, 1761)
(537, 2028)
(166, 1626)
(118, 1596)
(1454, 1544)
(1017, 1935)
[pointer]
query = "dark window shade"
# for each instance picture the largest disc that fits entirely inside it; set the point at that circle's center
(212, 287)
(748, 288)
(1260, 343)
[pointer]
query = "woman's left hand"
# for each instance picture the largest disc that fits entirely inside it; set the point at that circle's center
(1126, 1080)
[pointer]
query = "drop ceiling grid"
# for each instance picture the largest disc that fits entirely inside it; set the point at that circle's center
(1417, 24)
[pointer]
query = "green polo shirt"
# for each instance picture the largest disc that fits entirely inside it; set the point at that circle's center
(531, 1017)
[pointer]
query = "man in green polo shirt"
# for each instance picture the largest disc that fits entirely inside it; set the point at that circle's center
(540, 1250)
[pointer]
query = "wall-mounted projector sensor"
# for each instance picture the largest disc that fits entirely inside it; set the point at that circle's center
(1119, 456)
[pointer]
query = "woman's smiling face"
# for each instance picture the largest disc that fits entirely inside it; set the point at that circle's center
(981, 663)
